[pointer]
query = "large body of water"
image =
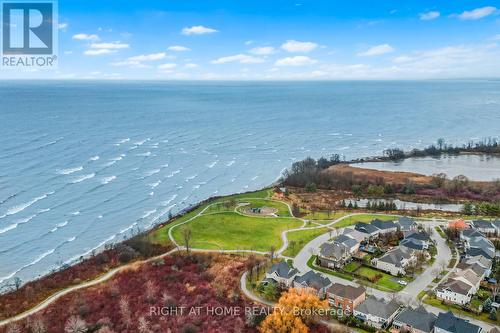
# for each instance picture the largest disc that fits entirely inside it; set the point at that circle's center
(474, 167)
(86, 163)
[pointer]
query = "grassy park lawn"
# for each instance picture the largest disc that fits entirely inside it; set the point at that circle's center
(298, 239)
(365, 218)
(232, 231)
(323, 215)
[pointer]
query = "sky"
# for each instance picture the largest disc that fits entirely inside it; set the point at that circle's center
(275, 40)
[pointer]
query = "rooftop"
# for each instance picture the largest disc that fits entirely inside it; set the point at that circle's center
(379, 308)
(396, 256)
(383, 224)
(418, 318)
(447, 321)
(344, 291)
(282, 269)
(313, 280)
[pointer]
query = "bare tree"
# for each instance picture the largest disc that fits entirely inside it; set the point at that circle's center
(143, 326)
(125, 312)
(186, 236)
(13, 328)
(75, 324)
(151, 291)
(37, 325)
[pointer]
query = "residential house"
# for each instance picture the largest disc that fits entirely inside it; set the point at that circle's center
(312, 280)
(475, 244)
(347, 241)
(357, 235)
(367, 228)
(496, 224)
(454, 291)
(467, 276)
(481, 261)
(281, 273)
(415, 320)
(345, 297)
(385, 227)
(419, 237)
(395, 261)
(486, 227)
(413, 244)
(333, 255)
(448, 323)
(406, 224)
(377, 313)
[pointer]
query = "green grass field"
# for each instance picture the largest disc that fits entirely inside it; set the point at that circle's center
(232, 231)
(365, 218)
(298, 239)
(385, 282)
(323, 215)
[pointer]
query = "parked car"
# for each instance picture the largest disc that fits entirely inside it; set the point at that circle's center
(403, 283)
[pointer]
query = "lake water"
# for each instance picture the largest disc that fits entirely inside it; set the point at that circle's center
(474, 167)
(86, 163)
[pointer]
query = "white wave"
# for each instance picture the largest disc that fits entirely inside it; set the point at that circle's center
(196, 186)
(151, 172)
(166, 203)
(216, 191)
(124, 140)
(107, 180)
(94, 158)
(230, 163)
(34, 262)
(151, 193)
(140, 143)
(254, 178)
(69, 170)
(211, 165)
(128, 228)
(154, 185)
(71, 239)
(63, 224)
(179, 187)
(191, 177)
(109, 163)
(9, 227)
(119, 158)
(41, 211)
(99, 217)
(174, 173)
(146, 154)
(148, 213)
(76, 213)
(82, 178)
(233, 180)
(23, 206)
(184, 199)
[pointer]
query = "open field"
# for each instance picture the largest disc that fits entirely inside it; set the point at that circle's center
(232, 231)
(282, 209)
(298, 239)
(365, 218)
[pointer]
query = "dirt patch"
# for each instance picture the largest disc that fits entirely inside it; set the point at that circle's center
(261, 211)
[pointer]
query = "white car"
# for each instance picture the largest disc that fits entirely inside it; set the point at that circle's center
(403, 283)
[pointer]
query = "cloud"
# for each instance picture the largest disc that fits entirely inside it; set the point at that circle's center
(86, 37)
(477, 13)
(377, 50)
(148, 57)
(241, 58)
(263, 50)
(197, 30)
(167, 67)
(296, 46)
(429, 16)
(109, 46)
(295, 61)
(249, 42)
(178, 48)
(97, 52)
(191, 65)
(62, 26)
